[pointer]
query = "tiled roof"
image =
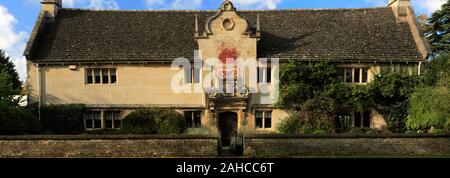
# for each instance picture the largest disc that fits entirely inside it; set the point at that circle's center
(371, 34)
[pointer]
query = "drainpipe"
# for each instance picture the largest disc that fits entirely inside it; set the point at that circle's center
(419, 68)
(39, 79)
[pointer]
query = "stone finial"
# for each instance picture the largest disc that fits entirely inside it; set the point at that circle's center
(51, 7)
(399, 7)
(227, 5)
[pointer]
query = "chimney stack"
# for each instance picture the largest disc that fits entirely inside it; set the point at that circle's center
(400, 7)
(51, 7)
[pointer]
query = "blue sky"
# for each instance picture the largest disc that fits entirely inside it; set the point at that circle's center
(17, 17)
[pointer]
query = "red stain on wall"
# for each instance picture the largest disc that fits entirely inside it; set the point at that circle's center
(228, 54)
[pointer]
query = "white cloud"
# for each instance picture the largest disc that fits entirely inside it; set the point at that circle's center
(184, 4)
(173, 4)
(103, 4)
(91, 4)
(256, 4)
(68, 3)
(11, 41)
(429, 5)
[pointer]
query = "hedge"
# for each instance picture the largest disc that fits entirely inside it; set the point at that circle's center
(63, 119)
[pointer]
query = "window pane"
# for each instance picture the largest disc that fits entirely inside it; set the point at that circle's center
(97, 75)
(341, 74)
(258, 119)
(117, 119)
(269, 75)
(261, 75)
(108, 119)
(196, 74)
(357, 119)
(89, 76)
(187, 75)
(366, 119)
(113, 76)
(188, 119)
(105, 76)
(268, 119)
(88, 121)
(364, 75)
(348, 75)
(97, 120)
(357, 75)
(197, 119)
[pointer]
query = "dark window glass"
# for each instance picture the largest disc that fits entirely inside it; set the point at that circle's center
(269, 75)
(89, 121)
(364, 75)
(108, 119)
(197, 119)
(117, 120)
(260, 74)
(196, 74)
(96, 116)
(187, 75)
(366, 119)
(90, 78)
(348, 75)
(357, 119)
(268, 119)
(188, 118)
(105, 76)
(97, 75)
(341, 72)
(113, 76)
(258, 119)
(357, 75)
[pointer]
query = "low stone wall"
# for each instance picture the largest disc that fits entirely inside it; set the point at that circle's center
(108, 146)
(346, 145)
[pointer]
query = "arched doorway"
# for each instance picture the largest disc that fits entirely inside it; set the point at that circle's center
(227, 126)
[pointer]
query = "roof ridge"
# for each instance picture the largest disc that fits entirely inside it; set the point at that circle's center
(265, 10)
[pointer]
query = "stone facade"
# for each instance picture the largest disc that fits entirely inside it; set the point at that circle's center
(141, 55)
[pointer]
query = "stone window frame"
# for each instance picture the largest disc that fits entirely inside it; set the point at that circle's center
(102, 119)
(93, 80)
(361, 119)
(360, 71)
(192, 77)
(263, 117)
(267, 76)
(193, 112)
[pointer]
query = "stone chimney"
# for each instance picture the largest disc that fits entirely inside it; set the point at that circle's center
(51, 7)
(400, 7)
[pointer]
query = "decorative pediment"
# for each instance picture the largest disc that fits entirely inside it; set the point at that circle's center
(226, 21)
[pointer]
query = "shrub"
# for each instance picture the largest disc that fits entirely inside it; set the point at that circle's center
(141, 121)
(320, 132)
(63, 119)
(16, 120)
(289, 125)
(438, 131)
(429, 108)
(154, 120)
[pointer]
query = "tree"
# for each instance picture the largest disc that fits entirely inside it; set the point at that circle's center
(438, 29)
(7, 66)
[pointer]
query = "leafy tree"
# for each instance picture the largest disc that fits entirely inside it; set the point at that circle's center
(438, 29)
(300, 81)
(390, 92)
(8, 67)
(429, 107)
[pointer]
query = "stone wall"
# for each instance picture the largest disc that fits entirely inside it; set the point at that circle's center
(346, 145)
(108, 146)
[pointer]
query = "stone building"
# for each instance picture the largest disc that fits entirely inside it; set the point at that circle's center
(116, 61)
